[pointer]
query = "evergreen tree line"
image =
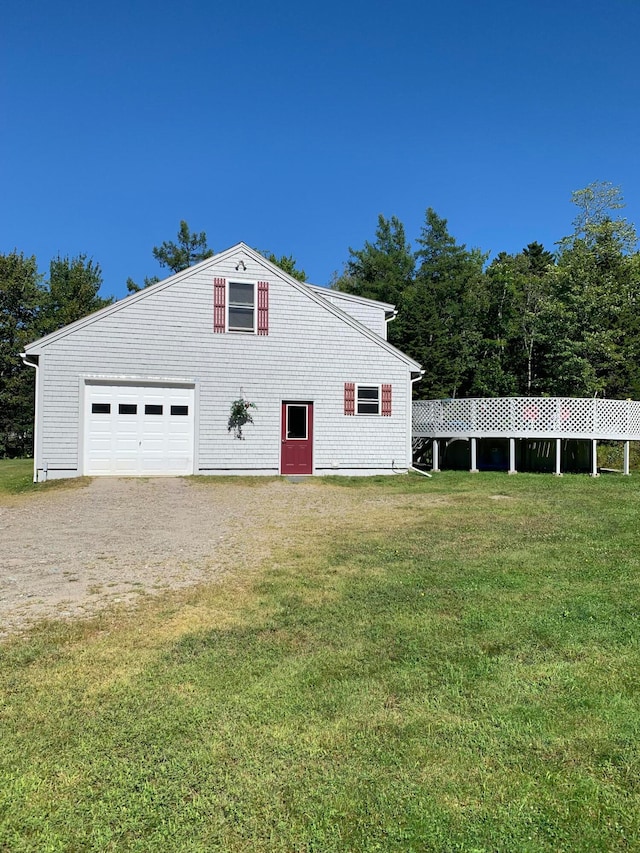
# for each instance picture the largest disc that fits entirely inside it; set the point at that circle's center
(539, 322)
(534, 323)
(31, 306)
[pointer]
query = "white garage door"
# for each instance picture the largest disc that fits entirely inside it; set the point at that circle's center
(137, 430)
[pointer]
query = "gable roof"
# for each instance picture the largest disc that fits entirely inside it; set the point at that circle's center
(311, 291)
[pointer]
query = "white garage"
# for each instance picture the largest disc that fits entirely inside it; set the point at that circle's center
(132, 429)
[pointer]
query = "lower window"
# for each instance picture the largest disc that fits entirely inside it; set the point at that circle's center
(368, 400)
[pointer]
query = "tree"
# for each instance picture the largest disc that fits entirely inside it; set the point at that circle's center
(190, 249)
(73, 292)
(515, 323)
(438, 315)
(495, 373)
(533, 309)
(21, 295)
(381, 270)
(597, 293)
(596, 203)
(132, 287)
(286, 263)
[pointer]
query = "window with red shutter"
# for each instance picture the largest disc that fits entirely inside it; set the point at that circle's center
(367, 399)
(349, 398)
(219, 304)
(241, 306)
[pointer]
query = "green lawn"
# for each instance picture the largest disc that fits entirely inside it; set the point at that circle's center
(16, 477)
(463, 675)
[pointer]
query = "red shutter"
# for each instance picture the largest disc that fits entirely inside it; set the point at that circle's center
(349, 398)
(219, 306)
(386, 400)
(263, 307)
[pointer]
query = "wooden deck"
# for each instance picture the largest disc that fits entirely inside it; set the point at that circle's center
(526, 418)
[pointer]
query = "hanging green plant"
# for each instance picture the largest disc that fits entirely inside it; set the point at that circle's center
(240, 415)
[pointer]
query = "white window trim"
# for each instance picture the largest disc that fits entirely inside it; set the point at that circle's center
(360, 385)
(306, 421)
(254, 330)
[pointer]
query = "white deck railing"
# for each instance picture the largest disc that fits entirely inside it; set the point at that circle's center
(527, 417)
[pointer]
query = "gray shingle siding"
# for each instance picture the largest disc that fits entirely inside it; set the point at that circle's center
(309, 353)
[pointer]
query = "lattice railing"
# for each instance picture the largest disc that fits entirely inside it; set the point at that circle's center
(528, 417)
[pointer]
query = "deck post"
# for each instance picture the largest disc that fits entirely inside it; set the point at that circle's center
(558, 457)
(625, 469)
(512, 456)
(594, 457)
(435, 455)
(474, 466)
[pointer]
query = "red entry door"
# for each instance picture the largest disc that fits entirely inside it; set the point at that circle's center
(297, 438)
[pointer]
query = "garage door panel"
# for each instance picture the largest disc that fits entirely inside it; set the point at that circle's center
(134, 429)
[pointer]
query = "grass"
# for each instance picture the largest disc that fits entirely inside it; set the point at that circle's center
(610, 455)
(459, 671)
(16, 477)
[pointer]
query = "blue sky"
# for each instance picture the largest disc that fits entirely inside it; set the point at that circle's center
(292, 126)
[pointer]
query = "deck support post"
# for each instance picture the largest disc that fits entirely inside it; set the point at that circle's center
(558, 457)
(435, 455)
(594, 457)
(474, 466)
(512, 456)
(625, 463)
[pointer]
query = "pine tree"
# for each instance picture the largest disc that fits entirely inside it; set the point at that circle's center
(190, 249)
(21, 295)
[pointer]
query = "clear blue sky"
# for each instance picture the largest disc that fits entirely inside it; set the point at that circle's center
(291, 126)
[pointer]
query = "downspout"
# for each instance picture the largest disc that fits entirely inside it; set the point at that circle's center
(411, 467)
(36, 423)
(418, 471)
(387, 319)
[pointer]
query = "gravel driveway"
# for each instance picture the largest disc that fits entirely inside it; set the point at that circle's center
(70, 552)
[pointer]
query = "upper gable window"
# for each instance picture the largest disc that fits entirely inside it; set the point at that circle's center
(241, 306)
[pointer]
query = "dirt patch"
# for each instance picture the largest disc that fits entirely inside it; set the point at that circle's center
(69, 553)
